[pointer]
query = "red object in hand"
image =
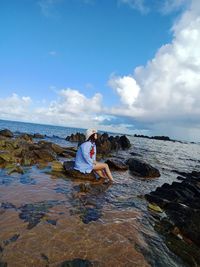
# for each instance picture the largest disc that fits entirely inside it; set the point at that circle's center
(91, 151)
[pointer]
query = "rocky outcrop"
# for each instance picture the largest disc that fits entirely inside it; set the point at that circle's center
(105, 143)
(116, 164)
(6, 133)
(78, 137)
(181, 203)
(164, 138)
(142, 169)
(23, 151)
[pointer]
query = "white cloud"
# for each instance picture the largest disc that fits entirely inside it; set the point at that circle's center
(14, 106)
(169, 6)
(167, 89)
(136, 4)
(126, 87)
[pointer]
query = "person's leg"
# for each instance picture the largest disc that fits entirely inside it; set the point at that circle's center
(101, 173)
(103, 166)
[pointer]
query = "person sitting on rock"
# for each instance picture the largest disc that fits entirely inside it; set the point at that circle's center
(85, 161)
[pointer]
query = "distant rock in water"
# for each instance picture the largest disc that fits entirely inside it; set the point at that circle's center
(142, 169)
(181, 227)
(105, 143)
(164, 138)
(78, 137)
(6, 133)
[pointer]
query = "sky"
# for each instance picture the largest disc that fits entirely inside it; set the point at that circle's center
(125, 66)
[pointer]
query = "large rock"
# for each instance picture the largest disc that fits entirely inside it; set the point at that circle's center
(78, 137)
(124, 142)
(117, 164)
(72, 173)
(6, 133)
(142, 169)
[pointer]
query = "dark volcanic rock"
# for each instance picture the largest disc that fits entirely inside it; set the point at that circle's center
(39, 136)
(181, 203)
(6, 133)
(117, 164)
(124, 142)
(78, 137)
(142, 169)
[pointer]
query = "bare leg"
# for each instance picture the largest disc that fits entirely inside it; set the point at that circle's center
(103, 167)
(101, 173)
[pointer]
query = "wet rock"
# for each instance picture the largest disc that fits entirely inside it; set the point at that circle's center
(6, 133)
(39, 136)
(117, 164)
(15, 168)
(26, 137)
(57, 166)
(142, 169)
(6, 157)
(183, 212)
(69, 170)
(45, 155)
(124, 142)
(76, 263)
(78, 137)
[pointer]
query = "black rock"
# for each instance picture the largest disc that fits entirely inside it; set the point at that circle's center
(6, 133)
(142, 169)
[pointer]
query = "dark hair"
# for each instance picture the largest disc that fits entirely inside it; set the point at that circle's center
(92, 138)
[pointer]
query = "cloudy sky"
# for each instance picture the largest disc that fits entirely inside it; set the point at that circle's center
(129, 66)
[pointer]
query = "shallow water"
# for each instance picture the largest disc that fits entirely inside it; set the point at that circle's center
(46, 220)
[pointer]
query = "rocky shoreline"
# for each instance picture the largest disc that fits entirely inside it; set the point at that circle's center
(179, 220)
(175, 208)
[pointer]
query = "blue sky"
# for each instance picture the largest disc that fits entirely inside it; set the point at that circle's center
(77, 63)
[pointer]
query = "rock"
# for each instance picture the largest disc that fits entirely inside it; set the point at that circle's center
(69, 170)
(154, 207)
(37, 135)
(6, 133)
(124, 142)
(45, 155)
(78, 137)
(117, 164)
(27, 137)
(183, 212)
(6, 157)
(57, 166)
(15, 168)
(142, 169)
